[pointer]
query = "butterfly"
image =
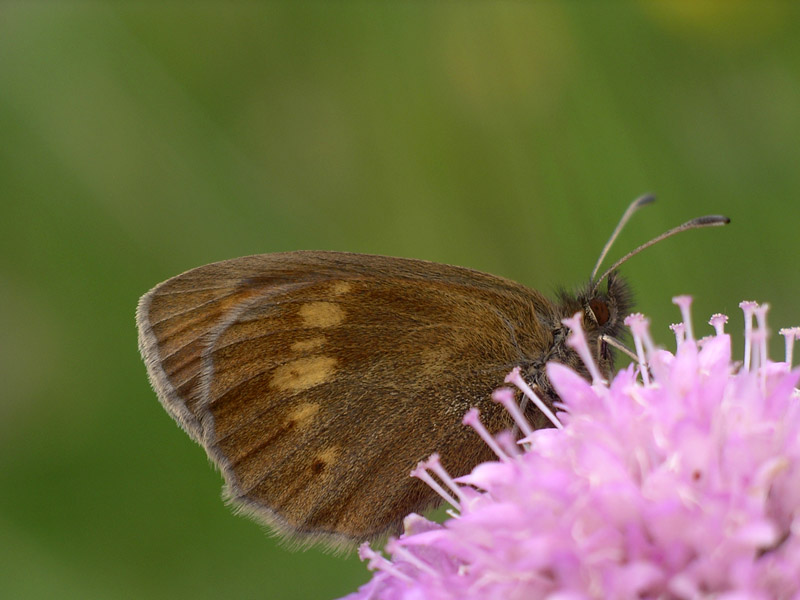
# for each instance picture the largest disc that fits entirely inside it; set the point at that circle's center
(316, 381)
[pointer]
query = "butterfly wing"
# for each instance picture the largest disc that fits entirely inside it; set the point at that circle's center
(317, 380)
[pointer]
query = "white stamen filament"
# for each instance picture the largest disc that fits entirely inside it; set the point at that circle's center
(515, 378)
(506, 397)
(685, 304)
(508, 442)
(679, 329)
(761, 319)
(408, 556)
(472, 418)
(421, 473)
(789, 335)
(380, 563)
(639, 329)
(577, 341)
(434, 465)
(748, 308)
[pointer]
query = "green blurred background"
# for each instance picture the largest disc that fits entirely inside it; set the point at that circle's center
(139, 140)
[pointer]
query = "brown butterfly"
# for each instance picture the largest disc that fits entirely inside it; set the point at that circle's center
(316, 381)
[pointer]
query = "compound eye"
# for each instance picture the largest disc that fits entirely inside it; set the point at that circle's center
(600, 311)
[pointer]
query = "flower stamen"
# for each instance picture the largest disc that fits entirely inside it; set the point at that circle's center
(761, 320)
(685, 303)
(748, 308)
(516, 378)
(577, 341)
(717, 321)
(639, 326)
(679, 329)
(378, 562)
(473, 419)
(397, 548)
(421, 472)
(505, 396)
(790, 334)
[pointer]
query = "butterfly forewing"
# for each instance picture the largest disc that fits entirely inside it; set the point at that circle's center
(316, 381)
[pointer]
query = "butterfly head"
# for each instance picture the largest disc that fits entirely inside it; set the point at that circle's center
(603, 311)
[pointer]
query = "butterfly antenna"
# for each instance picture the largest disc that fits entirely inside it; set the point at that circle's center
(699, 222)
(626, 216)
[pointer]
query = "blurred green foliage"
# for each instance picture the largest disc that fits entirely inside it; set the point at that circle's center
(139, 140)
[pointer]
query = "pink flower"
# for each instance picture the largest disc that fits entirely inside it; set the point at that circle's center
(678, 479)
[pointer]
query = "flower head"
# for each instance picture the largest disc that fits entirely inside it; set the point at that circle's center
(678, 479)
